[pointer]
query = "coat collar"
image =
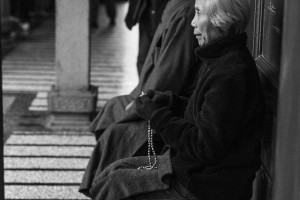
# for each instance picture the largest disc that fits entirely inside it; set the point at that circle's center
(220, 47)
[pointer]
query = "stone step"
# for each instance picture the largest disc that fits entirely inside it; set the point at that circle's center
(36, 74)
(52, 140)
(25, 88)
(48, 192)
(50, 75)
(42, 104)
(34, 71)
(8, 64)
(42, 177)
(52, 133)
(37, 86)
(42, 151)
(100, 66)
(11, 163)
(43, 101)
(49, 82)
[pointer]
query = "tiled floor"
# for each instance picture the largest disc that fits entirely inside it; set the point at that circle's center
(46, 165)
(50, 164)
(6, 103)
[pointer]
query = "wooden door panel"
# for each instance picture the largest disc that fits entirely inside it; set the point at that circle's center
(265, 34)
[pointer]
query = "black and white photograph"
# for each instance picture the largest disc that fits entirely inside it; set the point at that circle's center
(150, 100)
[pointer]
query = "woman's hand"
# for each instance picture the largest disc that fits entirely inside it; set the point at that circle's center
(160, 98)
(145, 106)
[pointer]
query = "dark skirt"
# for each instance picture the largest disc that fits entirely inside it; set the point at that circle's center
(123, 179)
(118, 141)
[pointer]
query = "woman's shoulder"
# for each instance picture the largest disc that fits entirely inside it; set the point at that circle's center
(237, 61)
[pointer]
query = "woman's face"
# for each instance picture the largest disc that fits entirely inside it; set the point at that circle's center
(203, 29)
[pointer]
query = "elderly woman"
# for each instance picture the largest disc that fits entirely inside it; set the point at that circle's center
(214, 137)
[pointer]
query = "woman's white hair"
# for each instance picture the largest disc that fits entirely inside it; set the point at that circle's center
(228, 15)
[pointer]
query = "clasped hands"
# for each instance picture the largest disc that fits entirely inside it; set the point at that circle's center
(150, 101)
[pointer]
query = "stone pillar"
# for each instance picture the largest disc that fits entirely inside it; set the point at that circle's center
(5, 11)
(1, 146)
(72, 98)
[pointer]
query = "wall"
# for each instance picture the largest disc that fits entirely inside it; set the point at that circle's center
(265, 36)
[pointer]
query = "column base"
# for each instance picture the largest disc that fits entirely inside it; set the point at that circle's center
(68, 122)
(71, 109)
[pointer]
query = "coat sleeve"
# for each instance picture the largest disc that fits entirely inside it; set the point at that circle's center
(217, 120)
(178, 104)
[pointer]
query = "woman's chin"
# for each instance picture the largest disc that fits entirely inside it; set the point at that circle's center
(201, 43)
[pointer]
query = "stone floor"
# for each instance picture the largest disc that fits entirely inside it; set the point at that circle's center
(45, 164)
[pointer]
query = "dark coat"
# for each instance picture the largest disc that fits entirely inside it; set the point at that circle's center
(216, 145)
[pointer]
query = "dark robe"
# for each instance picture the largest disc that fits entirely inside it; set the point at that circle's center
(170, 65)
(148, 15)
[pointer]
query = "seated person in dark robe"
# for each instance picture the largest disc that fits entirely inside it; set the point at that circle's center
(147, 14)
(170, 65)
(214, 137)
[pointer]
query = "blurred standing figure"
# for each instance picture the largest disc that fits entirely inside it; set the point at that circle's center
(110, 8)
(148, 14)
(20, 9)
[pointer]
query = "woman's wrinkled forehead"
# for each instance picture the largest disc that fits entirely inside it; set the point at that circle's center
(199, 5)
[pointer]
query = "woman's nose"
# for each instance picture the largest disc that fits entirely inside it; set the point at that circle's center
(193, 23)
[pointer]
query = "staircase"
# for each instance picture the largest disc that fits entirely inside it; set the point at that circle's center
(46, 165)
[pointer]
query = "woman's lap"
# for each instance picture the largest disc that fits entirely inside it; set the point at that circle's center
(123, 179)
(175, 192)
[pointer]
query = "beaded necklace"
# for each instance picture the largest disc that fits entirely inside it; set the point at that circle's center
(150, 147)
